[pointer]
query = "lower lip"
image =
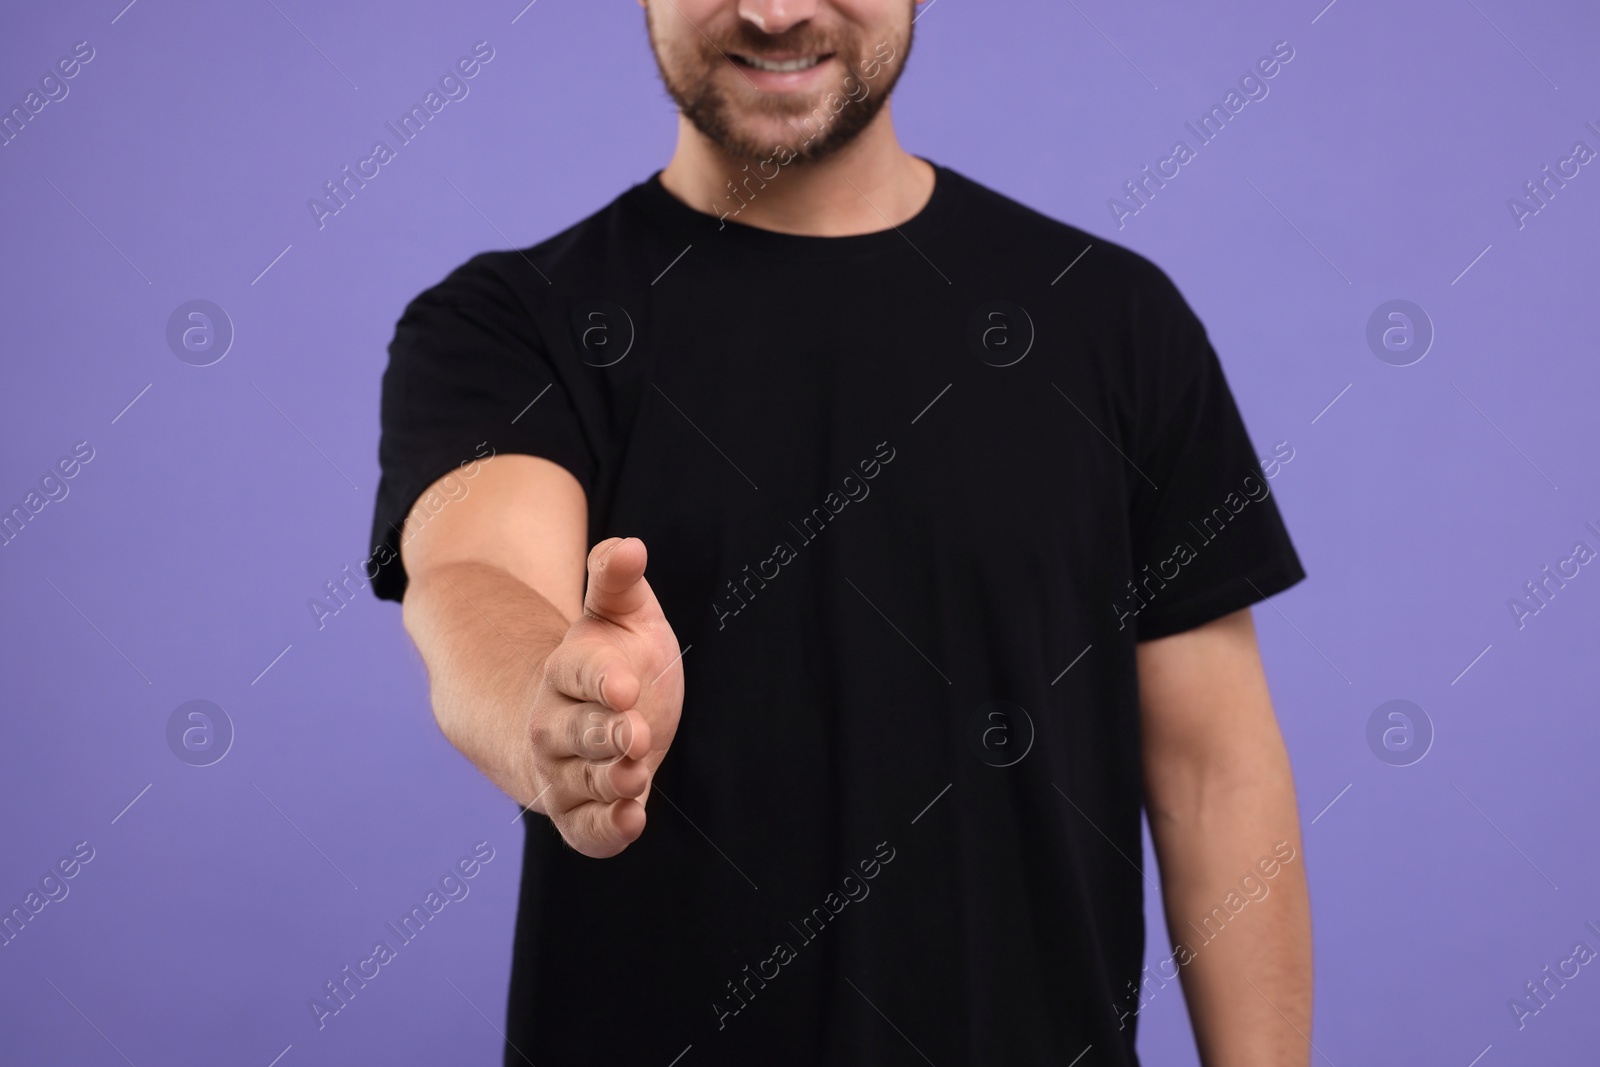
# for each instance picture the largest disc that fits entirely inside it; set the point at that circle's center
(785, 81)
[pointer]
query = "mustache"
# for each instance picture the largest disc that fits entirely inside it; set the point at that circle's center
(749, 41)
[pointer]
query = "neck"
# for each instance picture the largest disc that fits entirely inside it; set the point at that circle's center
(868, 185)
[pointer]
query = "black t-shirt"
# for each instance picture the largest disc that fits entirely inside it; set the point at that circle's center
(910, 498)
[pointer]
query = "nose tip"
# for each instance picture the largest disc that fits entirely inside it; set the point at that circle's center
(776, 16)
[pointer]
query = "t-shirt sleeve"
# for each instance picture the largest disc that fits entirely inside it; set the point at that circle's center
(468, 378)
(1207, 535)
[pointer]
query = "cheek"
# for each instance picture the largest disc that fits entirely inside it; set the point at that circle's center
(672, 31)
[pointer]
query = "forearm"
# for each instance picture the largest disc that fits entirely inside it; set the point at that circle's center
(1241, 926)
(484, 636)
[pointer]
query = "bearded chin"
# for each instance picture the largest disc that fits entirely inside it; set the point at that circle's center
(813, 133)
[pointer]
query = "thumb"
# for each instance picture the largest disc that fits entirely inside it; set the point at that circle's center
(617, 588)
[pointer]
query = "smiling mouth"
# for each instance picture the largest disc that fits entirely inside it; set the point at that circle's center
(785, 66)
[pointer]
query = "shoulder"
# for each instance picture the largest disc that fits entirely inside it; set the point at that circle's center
(1124, 308)
(525, 276)
(1123, 311)
(1112, 265)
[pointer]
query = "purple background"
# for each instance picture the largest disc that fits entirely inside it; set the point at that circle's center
(183, 558)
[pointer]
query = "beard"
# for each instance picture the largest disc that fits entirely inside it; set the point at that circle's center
(813, 129)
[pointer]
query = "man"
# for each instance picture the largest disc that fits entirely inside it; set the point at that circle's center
(950, 564)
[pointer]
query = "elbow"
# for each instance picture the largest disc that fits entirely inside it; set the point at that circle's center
(1215, 783)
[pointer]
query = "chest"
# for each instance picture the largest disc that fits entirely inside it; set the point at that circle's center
(947, 442)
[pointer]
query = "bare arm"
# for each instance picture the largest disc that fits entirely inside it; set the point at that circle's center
(543, 685)
(1221, 800)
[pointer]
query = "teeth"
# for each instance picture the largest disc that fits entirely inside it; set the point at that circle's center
(785, 67)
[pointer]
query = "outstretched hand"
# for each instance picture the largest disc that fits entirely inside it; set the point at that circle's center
(607, 706)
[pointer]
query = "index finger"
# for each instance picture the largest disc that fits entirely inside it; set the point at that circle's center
(595, 671)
